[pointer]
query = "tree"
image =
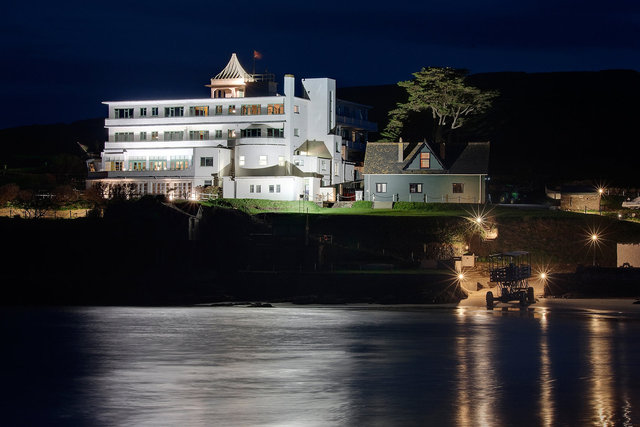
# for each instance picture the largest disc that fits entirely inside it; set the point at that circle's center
(444, 92)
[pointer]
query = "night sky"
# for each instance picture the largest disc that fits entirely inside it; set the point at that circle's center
(60, 60)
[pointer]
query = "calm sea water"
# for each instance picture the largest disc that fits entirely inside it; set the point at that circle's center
(318, 366)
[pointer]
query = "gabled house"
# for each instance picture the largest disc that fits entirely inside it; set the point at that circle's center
(413, 172)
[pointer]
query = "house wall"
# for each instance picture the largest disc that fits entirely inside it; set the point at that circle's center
(580, 202)
(629, 254)
(436, 188)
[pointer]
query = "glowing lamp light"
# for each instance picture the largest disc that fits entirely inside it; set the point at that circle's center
(479, 220)
(543, 276)
(594, 237)
(600, 190)
(460, 276)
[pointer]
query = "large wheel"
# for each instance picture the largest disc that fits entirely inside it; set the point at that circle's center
(489, 299)
(523, 299)
(530, 296)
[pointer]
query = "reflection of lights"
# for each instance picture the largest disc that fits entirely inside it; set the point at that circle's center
(619, 216)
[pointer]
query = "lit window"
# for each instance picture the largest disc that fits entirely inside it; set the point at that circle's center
(241, 161)
(199, 111)
(137, 165)
(231, 133)
(232, 109)
(381, 187)
(415, 188)
(296, 109)
(262, 161)
(250, 110)
(275, 109)
(154, 136)
(157, 163)
(425, 160)
(458, 187)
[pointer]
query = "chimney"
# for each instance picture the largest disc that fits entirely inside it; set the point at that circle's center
(289, 85)
(400, 151)
(442, 150)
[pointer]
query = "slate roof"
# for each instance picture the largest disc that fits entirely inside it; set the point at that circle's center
(382, 158)
(474, 159)
(288, 169)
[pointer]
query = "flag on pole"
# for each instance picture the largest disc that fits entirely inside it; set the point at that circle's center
(257, 55)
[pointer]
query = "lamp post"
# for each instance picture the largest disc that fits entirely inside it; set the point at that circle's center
(600, 191)
(594, 241)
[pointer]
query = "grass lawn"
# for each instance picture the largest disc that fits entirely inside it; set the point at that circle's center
(258, 206)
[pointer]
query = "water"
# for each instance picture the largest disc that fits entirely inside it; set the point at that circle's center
(551, 365)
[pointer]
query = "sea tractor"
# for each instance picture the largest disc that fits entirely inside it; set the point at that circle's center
(511, 271)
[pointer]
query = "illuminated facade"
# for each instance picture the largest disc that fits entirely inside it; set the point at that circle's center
(413, 172)
(246, 138)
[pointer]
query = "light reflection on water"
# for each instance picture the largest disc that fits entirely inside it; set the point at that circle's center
(308, 366)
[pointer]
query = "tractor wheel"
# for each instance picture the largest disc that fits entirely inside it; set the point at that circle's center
(489, 299)
(523, 299)
(530, 296)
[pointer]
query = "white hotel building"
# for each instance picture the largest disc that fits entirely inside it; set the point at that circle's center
(246, 138)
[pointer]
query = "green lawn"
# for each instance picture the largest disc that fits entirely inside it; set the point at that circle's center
(400, 209)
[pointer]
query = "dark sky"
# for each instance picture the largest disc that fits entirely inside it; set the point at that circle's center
(61, 59)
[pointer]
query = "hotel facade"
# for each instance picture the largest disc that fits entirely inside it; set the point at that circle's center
(247, 138)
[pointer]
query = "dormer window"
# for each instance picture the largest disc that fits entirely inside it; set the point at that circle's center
(425, 160)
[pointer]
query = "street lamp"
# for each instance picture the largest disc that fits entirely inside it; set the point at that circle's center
(600, 191)
(594, 241)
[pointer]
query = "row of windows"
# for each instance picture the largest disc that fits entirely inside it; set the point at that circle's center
(275, 188)
(381, 187)
(198, 135)
(198, 111)
(152, 163)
